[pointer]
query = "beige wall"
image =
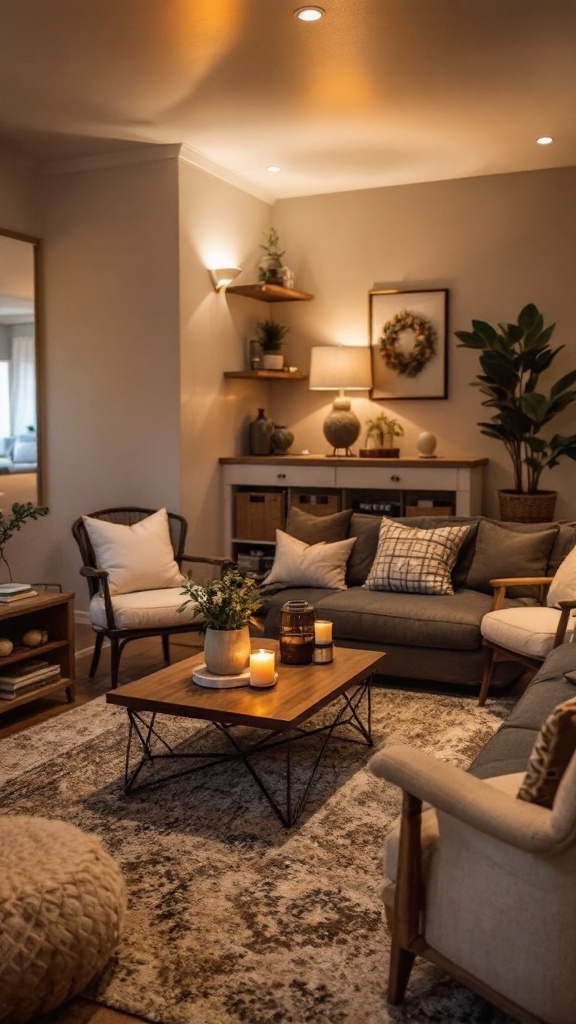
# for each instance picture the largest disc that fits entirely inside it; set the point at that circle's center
(496, 243)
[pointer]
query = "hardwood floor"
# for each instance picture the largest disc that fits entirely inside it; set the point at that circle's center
(139, 658)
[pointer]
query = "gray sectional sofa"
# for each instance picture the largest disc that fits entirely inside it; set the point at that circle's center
(425, 637)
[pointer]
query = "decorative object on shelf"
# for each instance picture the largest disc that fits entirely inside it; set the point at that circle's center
(263, 669)
(34, 638)
(287, 277)
(282, 439)
(512, 358)
(426, 445)
(296, 633)
(270, 266)
(271, 339)
(8, 527)
(340, 368)
(6, 647)
(408, 343)
(260, 435)
(227, 606)
(254, 355)
(379, 428)
(323, 645)
(223, 277)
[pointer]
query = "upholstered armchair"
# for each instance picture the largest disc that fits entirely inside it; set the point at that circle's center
(133, 559)
(483, 884)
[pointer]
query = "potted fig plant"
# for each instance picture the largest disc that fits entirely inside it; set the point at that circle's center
(382, 428)
(271, 339)
(512, 359)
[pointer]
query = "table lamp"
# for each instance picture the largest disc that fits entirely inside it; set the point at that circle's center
(341, 368)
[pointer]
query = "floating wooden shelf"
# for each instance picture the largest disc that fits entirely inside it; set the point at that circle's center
(268, 293)
(266, 375)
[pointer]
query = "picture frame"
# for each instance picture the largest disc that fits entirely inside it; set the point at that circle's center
(408, 343)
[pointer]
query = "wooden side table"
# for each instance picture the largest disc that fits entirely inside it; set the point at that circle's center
(52, 613)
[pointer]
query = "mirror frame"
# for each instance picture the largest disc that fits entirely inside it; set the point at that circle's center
(38, 351)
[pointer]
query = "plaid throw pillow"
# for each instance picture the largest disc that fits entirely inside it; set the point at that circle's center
(413, 561)
(553, 749)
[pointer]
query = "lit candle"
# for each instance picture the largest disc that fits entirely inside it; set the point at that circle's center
(261, 668)
(323, 631)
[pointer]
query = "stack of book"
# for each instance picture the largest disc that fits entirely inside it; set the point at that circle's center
(16, 680)
(15, 592)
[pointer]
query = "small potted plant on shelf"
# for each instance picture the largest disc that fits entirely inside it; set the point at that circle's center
(270, 266)
(512, 359)
(271, 338)
(380, 428)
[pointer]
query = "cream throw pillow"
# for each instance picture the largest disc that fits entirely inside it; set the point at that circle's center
(414, 561)
(298, 564)
(138, 557)
(563, 586)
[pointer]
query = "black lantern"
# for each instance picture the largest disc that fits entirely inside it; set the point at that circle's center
(296, 633)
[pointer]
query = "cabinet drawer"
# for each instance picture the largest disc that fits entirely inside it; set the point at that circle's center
(389, 478)
(280, 476)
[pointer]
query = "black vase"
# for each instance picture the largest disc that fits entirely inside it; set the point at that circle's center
(260, 435)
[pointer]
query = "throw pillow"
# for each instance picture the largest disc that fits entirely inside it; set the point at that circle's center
(501, 552)
(414, 561)
(25, 449)
(551, 753)
(315, 529)
(138, 557)
(6, 446)
(297, 564)
(563, 586)
(365, 528)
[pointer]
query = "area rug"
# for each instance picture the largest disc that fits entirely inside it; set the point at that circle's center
(232, 918)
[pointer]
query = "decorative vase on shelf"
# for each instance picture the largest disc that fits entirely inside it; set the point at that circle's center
(227, 651)
(260, 435)
(282, 439)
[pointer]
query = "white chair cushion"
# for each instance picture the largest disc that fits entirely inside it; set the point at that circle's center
(528, 631)
(563, 586)
(145, 609)
(138, 557)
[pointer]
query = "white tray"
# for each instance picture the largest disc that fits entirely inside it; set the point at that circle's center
(205, 678)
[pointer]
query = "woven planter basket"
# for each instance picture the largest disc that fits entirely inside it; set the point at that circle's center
(527, 508)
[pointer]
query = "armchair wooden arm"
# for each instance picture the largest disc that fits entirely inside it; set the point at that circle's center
(501, 586)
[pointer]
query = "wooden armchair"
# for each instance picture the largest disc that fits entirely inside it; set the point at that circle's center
(121, 607)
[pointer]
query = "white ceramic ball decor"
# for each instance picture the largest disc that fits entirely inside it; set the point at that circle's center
(426, 444)
(6, 647)
(32, 638)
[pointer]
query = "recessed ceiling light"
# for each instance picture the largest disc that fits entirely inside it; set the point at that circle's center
(545, 140)
(309, 13)
(274, 169)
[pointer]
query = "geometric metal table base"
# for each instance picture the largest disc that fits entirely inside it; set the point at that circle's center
(153, 748)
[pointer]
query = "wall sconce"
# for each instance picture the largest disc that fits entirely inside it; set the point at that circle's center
(223, 277)
(340, 368)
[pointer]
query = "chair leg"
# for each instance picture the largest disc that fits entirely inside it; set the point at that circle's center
(486, 678)
(114, 661)
(96, 654)
(401, 962)
(166, 648)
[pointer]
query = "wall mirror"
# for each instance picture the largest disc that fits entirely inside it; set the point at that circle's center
(20, 426)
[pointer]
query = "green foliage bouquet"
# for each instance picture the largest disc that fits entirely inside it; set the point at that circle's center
(14, 523)
(228, 603)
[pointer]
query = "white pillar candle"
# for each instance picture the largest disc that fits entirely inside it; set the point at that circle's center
(261, 668)
(323, 631)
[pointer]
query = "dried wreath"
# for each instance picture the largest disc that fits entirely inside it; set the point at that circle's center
(424, 343)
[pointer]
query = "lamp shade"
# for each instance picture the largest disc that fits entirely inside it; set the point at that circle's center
(223, 276)
(340, 367)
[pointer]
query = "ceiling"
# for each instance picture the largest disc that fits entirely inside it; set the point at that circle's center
(377, 93)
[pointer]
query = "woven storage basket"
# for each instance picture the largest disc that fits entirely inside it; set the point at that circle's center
(259, 514)
(316, 504)
(429, 510)
(527, 508)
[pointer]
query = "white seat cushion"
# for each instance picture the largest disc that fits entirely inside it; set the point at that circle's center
(528, 631)
(145, 609)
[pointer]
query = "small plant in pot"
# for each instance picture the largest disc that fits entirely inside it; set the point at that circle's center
(227, 606)
(512, 359)
(271, 339)
(380, 436)
(270, 266)
(20, 513)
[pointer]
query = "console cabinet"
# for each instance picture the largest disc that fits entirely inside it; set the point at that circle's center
(51, 613)
(257, 493)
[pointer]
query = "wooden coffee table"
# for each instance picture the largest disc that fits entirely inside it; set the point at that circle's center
(279, 712)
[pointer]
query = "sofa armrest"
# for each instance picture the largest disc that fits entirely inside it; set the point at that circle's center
(483, 807)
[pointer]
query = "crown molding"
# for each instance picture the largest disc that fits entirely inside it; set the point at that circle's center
(142, 154)
(196, 159)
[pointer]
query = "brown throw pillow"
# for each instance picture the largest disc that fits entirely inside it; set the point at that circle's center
(551, 753)
(317, 529)
(502, 552)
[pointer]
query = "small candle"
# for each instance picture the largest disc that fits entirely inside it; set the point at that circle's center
(323, 631)
(261, 668)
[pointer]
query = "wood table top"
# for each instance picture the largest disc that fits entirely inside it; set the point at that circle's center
(300, 692)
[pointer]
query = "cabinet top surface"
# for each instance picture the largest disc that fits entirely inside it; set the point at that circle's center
(34, 604)
(352, 462)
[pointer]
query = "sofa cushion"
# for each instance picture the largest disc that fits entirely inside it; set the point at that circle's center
(530, 631)
(563, 586)
(309, 565)
(315, 529)
(415, 561)
(552, 751)
(501, 552)
(137, 557)
(25, 449)
(6, 447)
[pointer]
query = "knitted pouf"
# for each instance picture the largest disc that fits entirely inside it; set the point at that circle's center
(62, 902)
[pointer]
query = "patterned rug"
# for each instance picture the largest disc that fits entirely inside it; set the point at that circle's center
(232, 918)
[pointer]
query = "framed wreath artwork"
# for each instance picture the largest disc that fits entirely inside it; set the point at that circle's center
(408, 343)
